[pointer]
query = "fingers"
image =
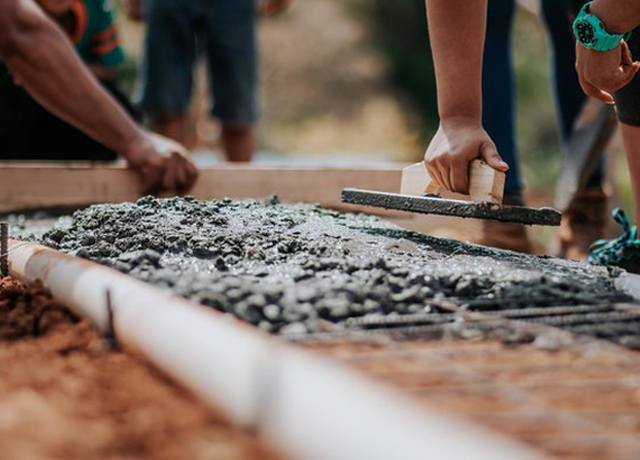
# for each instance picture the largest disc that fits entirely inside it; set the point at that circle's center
(180, 173)
(181, 178)
(596, 93)
(186, 175)
(629, 68)
(603, 73)
(151, 180)
(434, 173)
(459, 177)
(190, 177)
(444, 174)
(490, 154)
(626, 58)
(449, 172)
(169, 179)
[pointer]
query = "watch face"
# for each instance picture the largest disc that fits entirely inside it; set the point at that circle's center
(586, 33)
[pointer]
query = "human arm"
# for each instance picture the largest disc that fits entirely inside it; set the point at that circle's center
(456, 31)
(43, 61)
(619, 16)
(604, 72)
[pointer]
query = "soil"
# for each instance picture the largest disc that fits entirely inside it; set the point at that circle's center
(580, 402)
(291, 268)
(65, 395)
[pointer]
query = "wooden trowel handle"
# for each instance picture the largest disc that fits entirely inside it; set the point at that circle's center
(485, 183)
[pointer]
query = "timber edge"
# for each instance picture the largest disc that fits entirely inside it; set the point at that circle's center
(48, 185)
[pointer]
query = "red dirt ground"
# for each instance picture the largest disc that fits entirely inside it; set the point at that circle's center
(65, 395)
(577, 403)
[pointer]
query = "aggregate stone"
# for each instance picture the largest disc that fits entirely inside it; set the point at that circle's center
(283, 267)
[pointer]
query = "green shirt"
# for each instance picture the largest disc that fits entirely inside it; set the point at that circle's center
(96, 36)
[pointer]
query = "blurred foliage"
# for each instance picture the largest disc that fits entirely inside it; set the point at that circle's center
(537, 127)
(400, 34)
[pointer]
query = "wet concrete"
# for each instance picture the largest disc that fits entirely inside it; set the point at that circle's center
(288, 267)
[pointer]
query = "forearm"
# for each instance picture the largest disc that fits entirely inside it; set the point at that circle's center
(456, 31)
(32, 46)
(618, 16)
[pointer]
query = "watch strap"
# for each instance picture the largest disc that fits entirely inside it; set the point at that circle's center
(602, 40)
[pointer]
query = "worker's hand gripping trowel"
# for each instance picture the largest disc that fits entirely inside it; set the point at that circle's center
(419, 193)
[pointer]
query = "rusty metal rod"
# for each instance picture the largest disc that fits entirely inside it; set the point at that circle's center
(4, 248)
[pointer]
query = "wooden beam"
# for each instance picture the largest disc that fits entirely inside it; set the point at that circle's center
(26, 186)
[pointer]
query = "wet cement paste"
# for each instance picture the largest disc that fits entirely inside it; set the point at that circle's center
(285, 268)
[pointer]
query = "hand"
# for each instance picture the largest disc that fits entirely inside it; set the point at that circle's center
(162, 163)
(457, 142)
(604, 72)
(134, 9)
(273, 7)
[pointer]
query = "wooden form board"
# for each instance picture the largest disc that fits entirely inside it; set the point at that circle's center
(44, 185)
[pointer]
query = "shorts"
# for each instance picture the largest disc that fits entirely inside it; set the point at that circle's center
(178, 31)
(628, 98)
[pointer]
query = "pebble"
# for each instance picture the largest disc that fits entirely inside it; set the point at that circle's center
(283, 268)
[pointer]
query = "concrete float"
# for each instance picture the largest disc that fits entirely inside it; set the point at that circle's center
(308, 407)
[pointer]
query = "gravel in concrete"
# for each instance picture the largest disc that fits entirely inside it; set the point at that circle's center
(288, 267)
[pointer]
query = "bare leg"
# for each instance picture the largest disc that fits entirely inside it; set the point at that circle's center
(238, 143)
(174, 127)
(631, 141)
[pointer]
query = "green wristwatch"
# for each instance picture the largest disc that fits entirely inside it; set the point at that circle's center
(591, 33)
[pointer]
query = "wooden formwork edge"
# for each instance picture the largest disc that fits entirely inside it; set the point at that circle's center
(26, 186)
(309, 407)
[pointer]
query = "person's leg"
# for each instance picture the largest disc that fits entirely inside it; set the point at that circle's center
(172, 126)
(631, 141)
(628, 111)
(568, 94)
(585, 221)
(625, 252)
(238, 143)
(499, 120)
(166, 76)
(231, 51)
(498, 88)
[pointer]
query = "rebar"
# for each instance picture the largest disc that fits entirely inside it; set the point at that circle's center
(4, 249)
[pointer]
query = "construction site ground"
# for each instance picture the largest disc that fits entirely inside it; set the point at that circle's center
(529, 347)
(575, 402)
(65, 394)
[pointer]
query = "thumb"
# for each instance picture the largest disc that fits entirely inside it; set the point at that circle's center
(490, 154)
(625, 58)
